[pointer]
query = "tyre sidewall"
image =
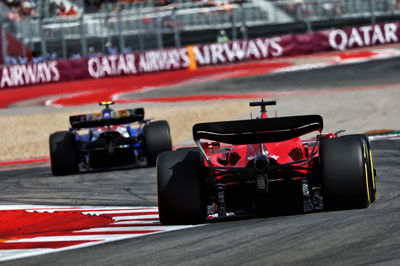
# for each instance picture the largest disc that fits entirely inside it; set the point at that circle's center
(64, 157)
(157, 139)
(343, 170)
(181, 197)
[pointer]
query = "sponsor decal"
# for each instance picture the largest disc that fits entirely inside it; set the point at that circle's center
(342, 39)
(219, 53)
(20, 75)
(128, 64)
(112, 65)
(162, 60)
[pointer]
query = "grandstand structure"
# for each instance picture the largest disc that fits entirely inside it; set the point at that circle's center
(95, 26)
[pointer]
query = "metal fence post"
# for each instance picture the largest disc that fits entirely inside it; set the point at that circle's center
(372, 11)
(42, 40)
(104, 34)
(308, 25)
(121, 38)
(243, 28)
(81, 4)
(275, 12)
(140, 29)
(177, 34)
(84, 48)
(63, 43)
(159, 32)
(3, 43)
(109, 32)
(31, 33)
(299, 12)
(23, 52)
(233, 21)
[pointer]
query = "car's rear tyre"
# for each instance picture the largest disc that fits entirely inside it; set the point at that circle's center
(64, 156)
(157, 139)
(370, 165)
(344, 173)
(181, 189)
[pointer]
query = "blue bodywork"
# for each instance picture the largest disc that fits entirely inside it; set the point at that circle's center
(110, 144)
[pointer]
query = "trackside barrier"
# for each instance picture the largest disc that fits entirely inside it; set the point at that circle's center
(195, 56)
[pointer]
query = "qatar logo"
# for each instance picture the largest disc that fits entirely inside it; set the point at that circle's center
(364, 36)
(112, 65)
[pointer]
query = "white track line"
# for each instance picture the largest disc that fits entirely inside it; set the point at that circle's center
(137, 222)
(70, 208)
(104, 237)
(117, 212)
(136, 217)
(129, 229)
(100, 235)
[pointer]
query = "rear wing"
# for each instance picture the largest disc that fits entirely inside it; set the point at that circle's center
(115, 118)
(258, 130)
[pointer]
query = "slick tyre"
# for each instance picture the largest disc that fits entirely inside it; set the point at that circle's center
(157, 139)
(181, 189)
(370, 165)
(344, 170)
(63, 153)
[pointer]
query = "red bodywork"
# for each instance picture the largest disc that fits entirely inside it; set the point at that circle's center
(283, 152)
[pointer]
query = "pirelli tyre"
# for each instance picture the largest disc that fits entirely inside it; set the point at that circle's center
(64, 156)
(371, 172)
(344, 173)
(157, 139)
(181, 188)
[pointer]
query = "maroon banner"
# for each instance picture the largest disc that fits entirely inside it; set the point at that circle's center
(93, 67)
(297, 44)
(208, 54)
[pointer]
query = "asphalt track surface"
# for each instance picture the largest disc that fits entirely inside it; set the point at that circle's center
(355, 237)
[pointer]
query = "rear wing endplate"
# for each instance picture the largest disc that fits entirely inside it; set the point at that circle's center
(126, 116)
(258, 130)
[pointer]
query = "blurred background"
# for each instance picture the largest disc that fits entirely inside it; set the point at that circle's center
(39, 30)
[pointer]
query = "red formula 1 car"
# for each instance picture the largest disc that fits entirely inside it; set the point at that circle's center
(262, 166)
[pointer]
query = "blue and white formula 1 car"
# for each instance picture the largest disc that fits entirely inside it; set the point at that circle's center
(110, 141)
